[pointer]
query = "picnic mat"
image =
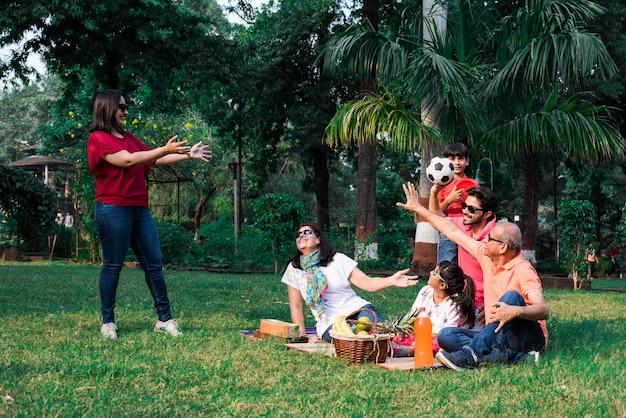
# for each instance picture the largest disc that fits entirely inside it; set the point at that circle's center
(327, 349)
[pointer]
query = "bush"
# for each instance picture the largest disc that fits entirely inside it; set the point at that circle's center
(394, 251)
(29, 203)
(577, 226)
(219, 250)
(176, 243)
(278, 216)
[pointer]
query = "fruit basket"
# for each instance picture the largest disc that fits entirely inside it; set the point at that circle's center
(372, 348)
(361, 348)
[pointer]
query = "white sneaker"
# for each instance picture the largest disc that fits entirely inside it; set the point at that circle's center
(109, 330)
(170, 327)
(533, 356)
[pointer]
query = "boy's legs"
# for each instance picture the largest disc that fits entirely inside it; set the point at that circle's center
(447, 250)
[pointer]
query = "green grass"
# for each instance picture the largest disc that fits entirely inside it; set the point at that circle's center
(54, 362)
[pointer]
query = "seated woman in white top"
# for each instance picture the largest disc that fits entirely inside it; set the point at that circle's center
(323, 277)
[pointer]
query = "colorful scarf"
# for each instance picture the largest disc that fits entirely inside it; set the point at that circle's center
(316, 284)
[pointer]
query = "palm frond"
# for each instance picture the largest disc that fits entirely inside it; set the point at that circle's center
(364, 53)
(383, 119)
(544, 42)
(571, 126)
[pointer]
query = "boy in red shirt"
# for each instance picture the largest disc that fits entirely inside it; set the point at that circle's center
(452, 196)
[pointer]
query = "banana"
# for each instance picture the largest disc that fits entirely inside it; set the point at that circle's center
(337, 324)
(345, 327)
(341, 326)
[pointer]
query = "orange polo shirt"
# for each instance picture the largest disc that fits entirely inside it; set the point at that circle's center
(518, 274)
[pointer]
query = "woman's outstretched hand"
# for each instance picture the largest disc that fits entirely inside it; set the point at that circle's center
(200, 152)
(176, 147)
(401, 279)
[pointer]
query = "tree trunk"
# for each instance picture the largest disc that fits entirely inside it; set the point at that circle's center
(426, 237)
(322, 177)
(366, 247)
(197, 216)
(530, 206)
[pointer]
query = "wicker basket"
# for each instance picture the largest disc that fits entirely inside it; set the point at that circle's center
(362, 348)
(371, 348)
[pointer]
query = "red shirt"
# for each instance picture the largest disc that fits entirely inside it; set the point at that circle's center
(469, 264)
(454, 209)
(115, 185)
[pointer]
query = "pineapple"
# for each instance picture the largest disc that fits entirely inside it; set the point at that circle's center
(399, 325)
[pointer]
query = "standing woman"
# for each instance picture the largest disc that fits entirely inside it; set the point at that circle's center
(323, 278)
(120, 163)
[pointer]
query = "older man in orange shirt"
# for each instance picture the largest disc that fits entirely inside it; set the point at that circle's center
(515, 308)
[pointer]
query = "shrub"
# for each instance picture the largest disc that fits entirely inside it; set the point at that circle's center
(219, 249)
(176, 243)
(29, 203)
(577, 226)
(394, 251)
(278, 216)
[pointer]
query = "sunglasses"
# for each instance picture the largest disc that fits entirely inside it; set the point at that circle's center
(305, 232)
(489, 239)
(123, 107)
(437, 275)
(470, 209)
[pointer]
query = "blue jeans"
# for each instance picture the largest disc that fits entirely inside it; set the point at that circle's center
(121, 227)
(447, 250)
(518, 335)
(379, 318)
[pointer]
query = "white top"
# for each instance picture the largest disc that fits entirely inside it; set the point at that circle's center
(339, 299)
(442, 315)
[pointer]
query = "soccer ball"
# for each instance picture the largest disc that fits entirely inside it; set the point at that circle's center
(440, 169)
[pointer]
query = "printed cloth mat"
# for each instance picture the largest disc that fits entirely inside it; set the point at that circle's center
(327, 349)
(392, 363)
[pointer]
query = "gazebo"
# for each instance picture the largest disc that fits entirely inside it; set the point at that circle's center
(36, 162)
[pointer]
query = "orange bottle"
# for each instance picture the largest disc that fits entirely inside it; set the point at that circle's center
(423, 330)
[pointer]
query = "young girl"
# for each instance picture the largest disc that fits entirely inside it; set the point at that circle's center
(449, 302)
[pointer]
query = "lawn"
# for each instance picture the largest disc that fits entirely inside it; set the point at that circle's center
(54, 362)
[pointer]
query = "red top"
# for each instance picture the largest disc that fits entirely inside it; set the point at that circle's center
(454, 209)
(115, 185)
(469, 264)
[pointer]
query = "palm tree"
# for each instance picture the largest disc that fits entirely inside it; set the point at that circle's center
(512, 85)
(427, 69)
(544, 57)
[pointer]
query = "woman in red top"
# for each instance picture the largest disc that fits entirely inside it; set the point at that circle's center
(120, 163)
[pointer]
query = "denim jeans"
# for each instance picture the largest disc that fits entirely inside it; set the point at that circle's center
(447, 250)
(379, 318)
(121, 227)
(518, 335)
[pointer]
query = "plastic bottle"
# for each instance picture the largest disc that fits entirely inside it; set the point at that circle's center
(423, 330)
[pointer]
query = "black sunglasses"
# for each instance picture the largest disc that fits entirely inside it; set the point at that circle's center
(305, 232)
(471, 209)
(489, 239)
(123, 107)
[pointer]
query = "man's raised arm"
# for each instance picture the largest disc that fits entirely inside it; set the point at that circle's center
(441, 224)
